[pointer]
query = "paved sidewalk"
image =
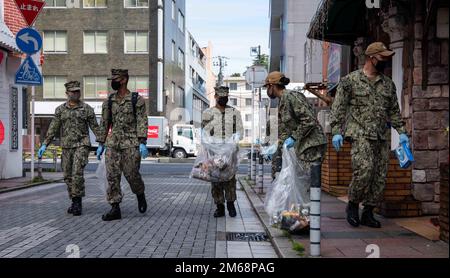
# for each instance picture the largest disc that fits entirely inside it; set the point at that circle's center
(179, 223)
(25, 182)
(339, 239)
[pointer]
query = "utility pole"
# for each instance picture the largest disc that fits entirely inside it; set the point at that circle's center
(221, 63)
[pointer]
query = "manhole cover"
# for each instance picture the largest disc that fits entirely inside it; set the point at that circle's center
(246, 237)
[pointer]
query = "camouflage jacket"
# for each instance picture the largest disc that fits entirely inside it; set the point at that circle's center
(75, 123)
(126, 131)
(296, 118)
(222, 125)
(362, 108)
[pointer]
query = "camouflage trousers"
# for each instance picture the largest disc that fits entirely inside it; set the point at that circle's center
(218, 189)
(128, 162)
(73, 161)
(369, 164)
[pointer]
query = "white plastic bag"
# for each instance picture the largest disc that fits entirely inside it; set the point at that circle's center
(103, 181)
(288, 202)
(218, 159)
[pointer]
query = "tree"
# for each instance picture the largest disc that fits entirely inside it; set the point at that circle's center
(236, 75)
(262, 60)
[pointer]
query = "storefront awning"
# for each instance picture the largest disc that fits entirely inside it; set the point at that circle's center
(339, 21)
(7, 40)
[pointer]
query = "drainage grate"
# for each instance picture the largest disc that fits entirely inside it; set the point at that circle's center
(246, 236)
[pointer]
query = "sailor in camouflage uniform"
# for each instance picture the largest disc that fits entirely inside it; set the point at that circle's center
(365, 105)
(74, 117)
(125, 114)
(298, 127)
(222, 121)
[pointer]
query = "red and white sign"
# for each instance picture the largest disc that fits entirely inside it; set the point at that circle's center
(30, 9)
(143, 92)
(153, 132)
(102, 94)
(2, 133)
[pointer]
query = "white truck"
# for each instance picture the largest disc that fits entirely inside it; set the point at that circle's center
(180, 141)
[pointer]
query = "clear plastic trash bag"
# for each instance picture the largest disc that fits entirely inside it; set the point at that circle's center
(102, 181)
(218, 159)
(288, 202)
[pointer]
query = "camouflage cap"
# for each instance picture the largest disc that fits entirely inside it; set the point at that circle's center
(380, 49)
(116, 73)
(274, 78)
(72, 86)
(222, 91)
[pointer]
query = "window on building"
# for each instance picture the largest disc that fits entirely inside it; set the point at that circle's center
(180, 21)
(233, 101)
(248, 117)
(53, 87)
(55, 4)
(180, 97)
(95, 42)
(136, 3)
(172, 92)
(173, 51)
(174, 10)
(136, 42)
(95, 87)
(248, 87)
(233, 86)
(248, 102)
(180, 58)
(139, 84)
(247, 133)
(55, 42)
(94, 3)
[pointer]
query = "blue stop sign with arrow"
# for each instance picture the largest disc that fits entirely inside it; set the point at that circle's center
(29, 40)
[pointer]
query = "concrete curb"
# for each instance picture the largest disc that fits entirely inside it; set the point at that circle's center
(30, 185)
(281, 243)
(40, 183)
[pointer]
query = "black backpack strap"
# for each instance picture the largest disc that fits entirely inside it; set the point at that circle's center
(110, 121)
(234, 121)
(134, 100)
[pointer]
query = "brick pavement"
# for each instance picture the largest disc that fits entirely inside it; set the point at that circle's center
(178, 223)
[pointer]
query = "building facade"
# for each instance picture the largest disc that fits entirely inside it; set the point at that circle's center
(246, 100)
(84, 40)
(418, 32)
(196, 98)
(12, 97)
(289, 23)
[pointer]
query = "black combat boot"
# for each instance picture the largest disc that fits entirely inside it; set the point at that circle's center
(113, 214)
(231, 209)
(142, 203)
(353, 214)
(76, 207)
(220, 211)
(70, 209)
(367, 218)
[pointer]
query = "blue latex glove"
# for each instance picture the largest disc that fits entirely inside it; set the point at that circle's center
(42, 151)
(338, 142)
(289, 143)
(143, 150)
(100, 150)
(268, 152)
(404, 139)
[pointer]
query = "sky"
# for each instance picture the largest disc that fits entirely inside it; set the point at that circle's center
(232, 26)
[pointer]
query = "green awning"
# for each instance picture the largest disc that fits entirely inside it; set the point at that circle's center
(339, 21)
